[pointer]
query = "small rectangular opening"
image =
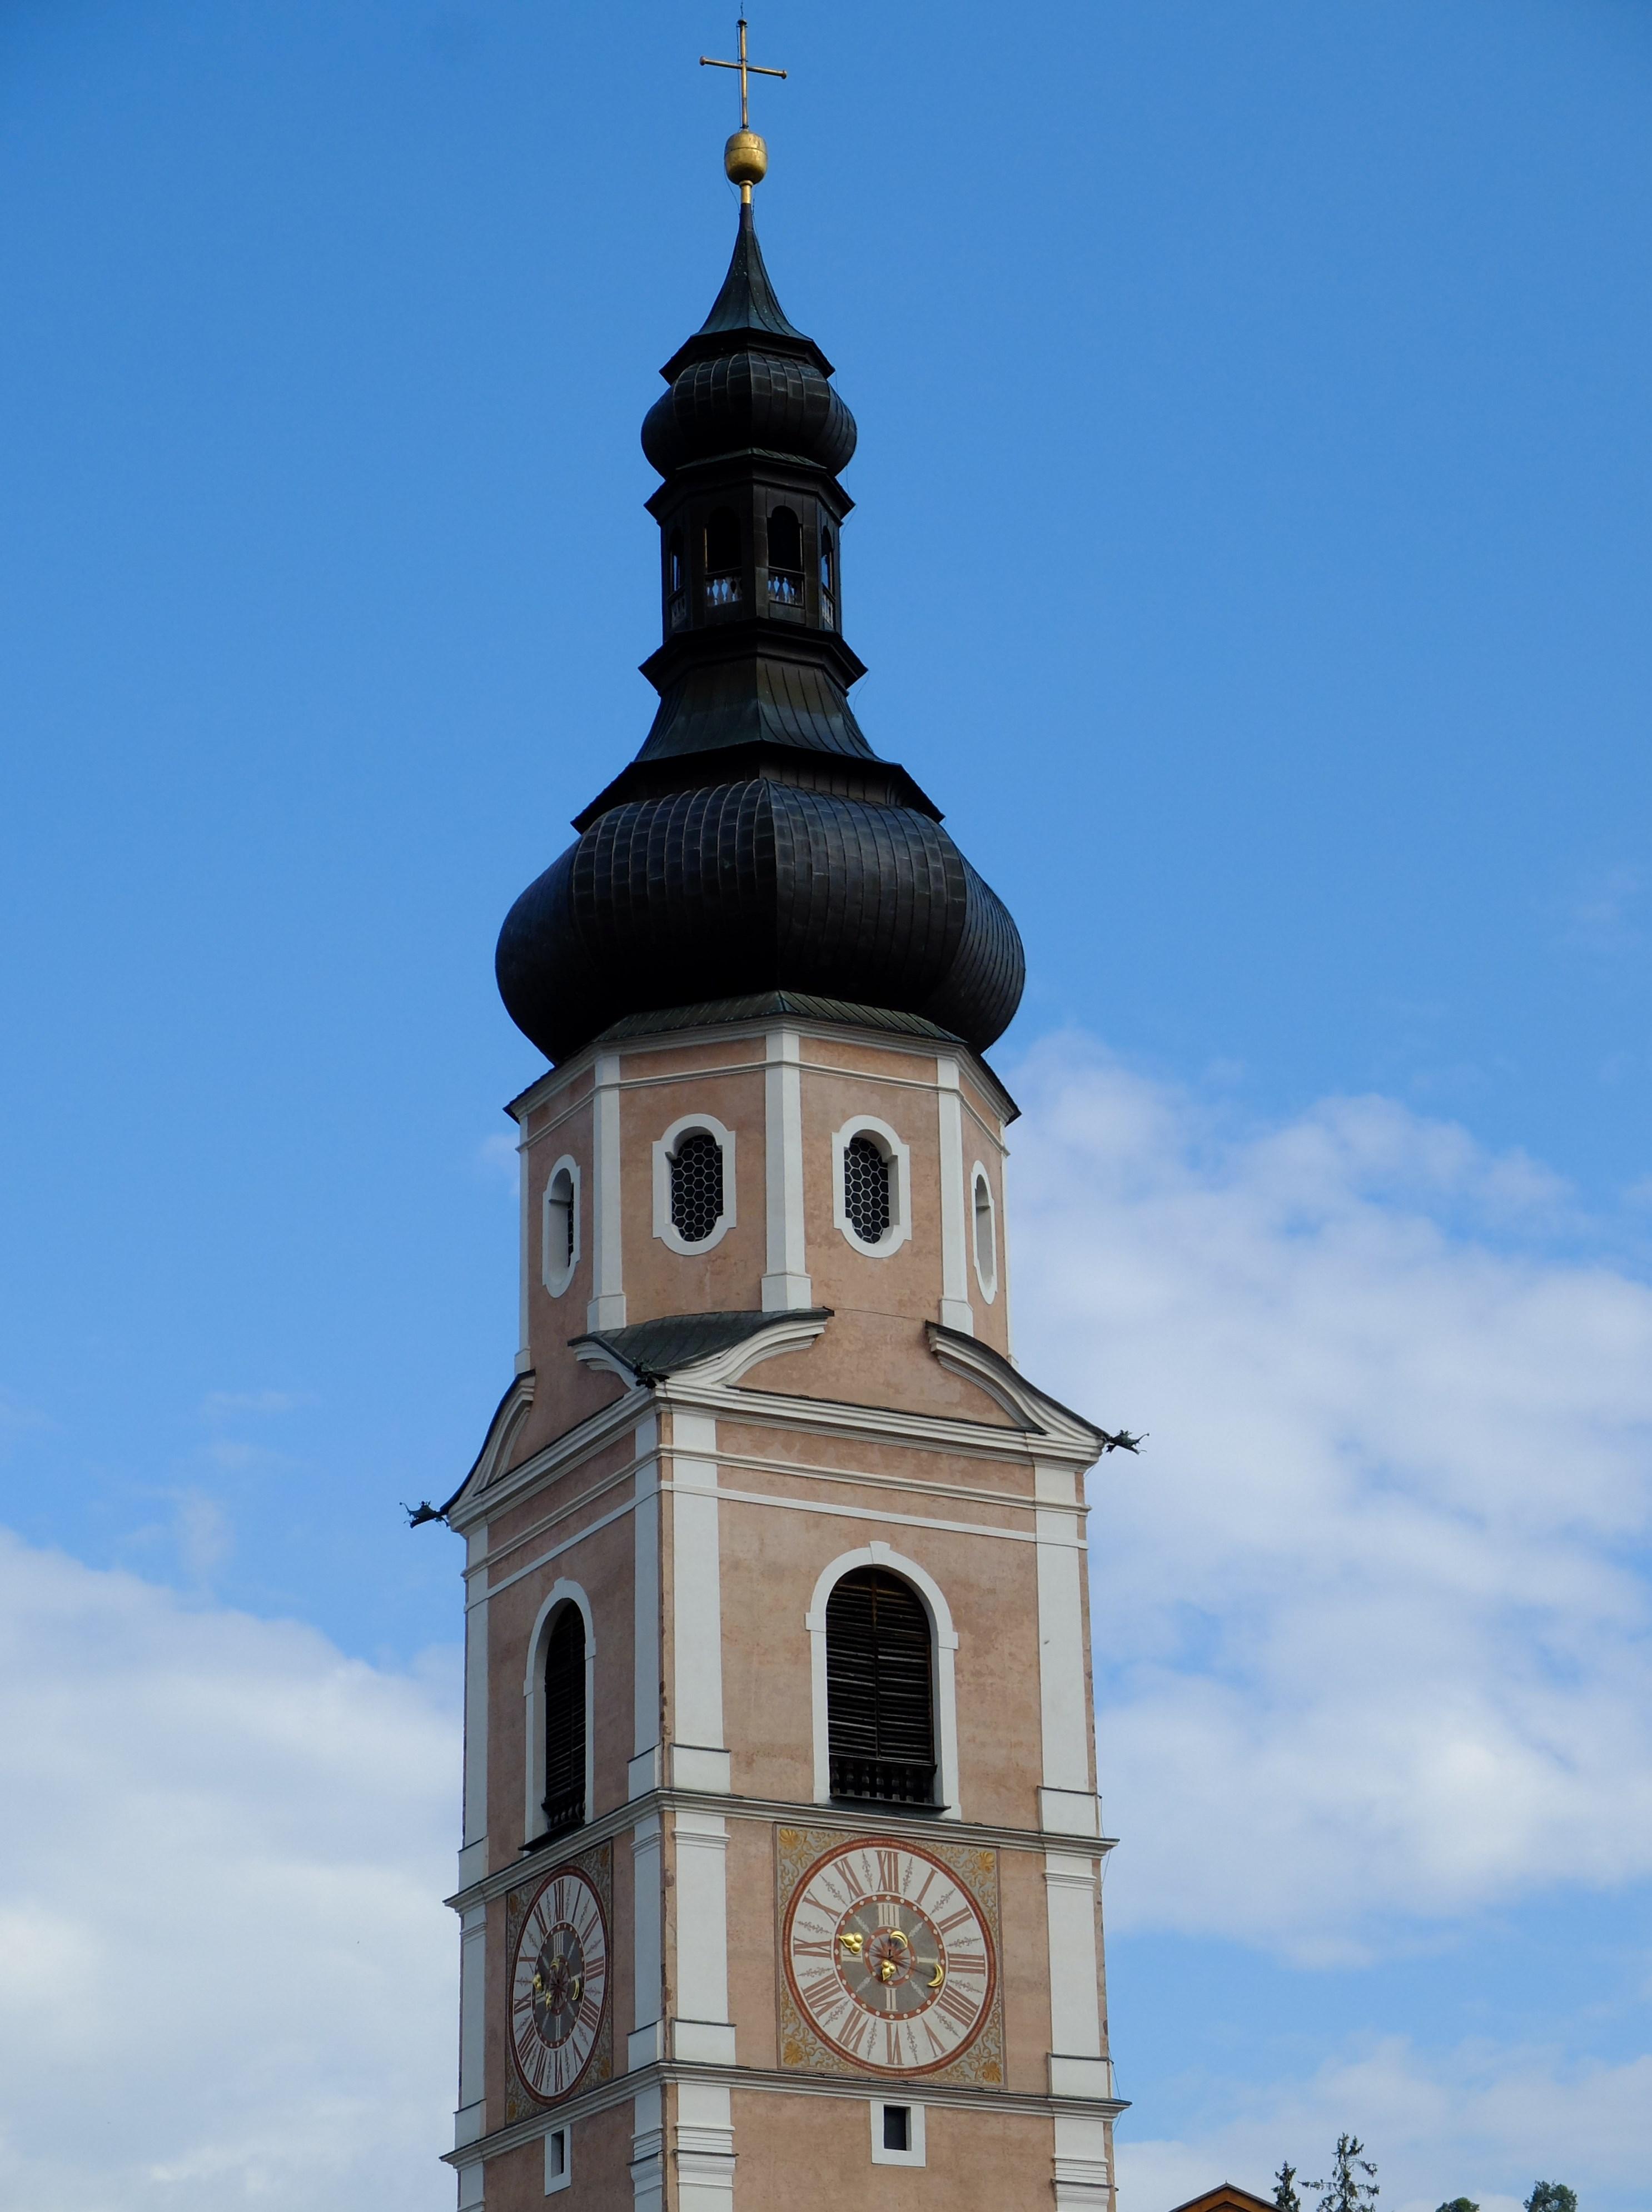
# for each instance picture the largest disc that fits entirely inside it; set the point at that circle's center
(556, 2170)
(898, 2127)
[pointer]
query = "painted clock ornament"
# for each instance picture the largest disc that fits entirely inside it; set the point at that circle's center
(889, 1957)
(559, 1983)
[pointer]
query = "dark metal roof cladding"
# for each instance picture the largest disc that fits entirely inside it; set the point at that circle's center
(756, 844)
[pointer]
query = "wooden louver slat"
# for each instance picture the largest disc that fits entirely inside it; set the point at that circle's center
(879, 1691)
(564, 1798)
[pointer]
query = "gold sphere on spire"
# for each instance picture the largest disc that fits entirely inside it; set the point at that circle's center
(745, 158)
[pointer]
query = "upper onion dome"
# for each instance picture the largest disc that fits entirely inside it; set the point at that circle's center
(757, 849)
(748, 379)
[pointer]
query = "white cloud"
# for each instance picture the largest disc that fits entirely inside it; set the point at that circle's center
(1370, 1637)
(1482, 2122)
(1601, 916)
(229, 1979)
(235, 1405)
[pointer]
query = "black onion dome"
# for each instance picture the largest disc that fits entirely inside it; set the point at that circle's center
(748, 377)
(752, 887)
(756, 852)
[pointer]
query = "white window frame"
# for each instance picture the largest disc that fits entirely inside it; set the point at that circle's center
(899, 1156)
(688, 1126)
(556, 1278)
(533, 1698)
(987, 1278)
(563, 2131)
(913, 2154)
(944, 1647)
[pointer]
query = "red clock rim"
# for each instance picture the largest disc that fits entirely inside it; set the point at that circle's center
(916, 1851)
(559, 1874)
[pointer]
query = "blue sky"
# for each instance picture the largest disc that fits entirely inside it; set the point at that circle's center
(1252, 554)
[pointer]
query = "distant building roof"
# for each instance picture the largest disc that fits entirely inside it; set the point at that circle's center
(1226, 2197)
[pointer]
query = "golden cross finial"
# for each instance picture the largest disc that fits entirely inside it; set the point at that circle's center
(747, 69)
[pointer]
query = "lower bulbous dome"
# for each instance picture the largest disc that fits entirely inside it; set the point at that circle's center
(756, 886)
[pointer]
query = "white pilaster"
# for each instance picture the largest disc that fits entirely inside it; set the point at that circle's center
(1076, 2066)
(525, 1249)
(701, 2030)
(643, 2044)
(704, 2148)
(957, 1312)
(647, 2151)
(1083, 2180)
(643, 1774)
(1067, 1804)
(700, 1759)
(473, 2025)
(607, 1306)
(473, 1852)
(785, 1286)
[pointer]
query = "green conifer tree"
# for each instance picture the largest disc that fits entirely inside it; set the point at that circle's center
(1346, 2192)
(1459, 2204)
(1551, 2196)
(1285, 2198)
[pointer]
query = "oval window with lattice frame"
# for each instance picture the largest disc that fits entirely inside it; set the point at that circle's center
(694, 1184)
(872, 1186)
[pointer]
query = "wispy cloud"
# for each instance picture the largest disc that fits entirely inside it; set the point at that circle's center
(1604, 915)
(237, 1838)
(222, 1406)
(496, 1155)
(1378, 1578)
(1483, 2122)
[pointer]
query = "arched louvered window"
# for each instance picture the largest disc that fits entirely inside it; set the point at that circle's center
(722, 558)
(786, 557)
(696, 1186)
(880, 1694)
(676, 579)
(564, 1799)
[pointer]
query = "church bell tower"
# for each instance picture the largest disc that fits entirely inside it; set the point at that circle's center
(779, 1887)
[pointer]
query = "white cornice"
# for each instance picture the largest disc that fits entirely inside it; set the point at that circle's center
(621, 2089)
(881, 1821)
(555, 1079)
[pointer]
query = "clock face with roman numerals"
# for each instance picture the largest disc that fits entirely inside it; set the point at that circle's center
(559, 1983)
(889, 1956)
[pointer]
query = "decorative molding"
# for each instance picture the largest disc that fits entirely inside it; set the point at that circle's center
(898, 1153)
(557, 1079)
(720, 1370)
(1038, 2104)
(1028, 1406)
(692, 1125)
(876, 1820)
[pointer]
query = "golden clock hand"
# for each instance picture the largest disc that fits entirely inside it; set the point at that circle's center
(886, 1973)
(575, 1988)
(852, 1944)
(939, 1977)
